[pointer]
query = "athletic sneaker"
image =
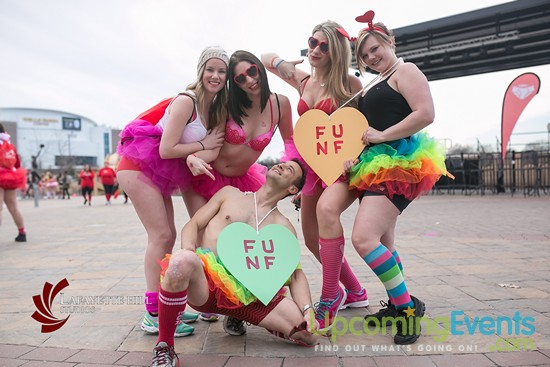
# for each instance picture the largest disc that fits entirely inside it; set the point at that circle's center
(189, 317)
(355, 300)
(234, 326)
(21, 237)
(150, 324)
(164, 356)
(210, 317)
(412, 329)
(388, 311)
(327, 309)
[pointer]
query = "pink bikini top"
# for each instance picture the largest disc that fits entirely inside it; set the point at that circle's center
(234, 134)
(324, 105)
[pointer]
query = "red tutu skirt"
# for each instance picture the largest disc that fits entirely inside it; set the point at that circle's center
(11, 179)
(252, 180)
(139, 143)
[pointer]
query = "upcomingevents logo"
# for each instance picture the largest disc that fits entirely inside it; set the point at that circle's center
(43, 303)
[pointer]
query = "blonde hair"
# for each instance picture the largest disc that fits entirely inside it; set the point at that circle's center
(218, 110)
(338, 86)
(386, 37)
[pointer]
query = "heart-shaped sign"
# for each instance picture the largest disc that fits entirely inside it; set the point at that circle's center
(326, 142)
(263, 261)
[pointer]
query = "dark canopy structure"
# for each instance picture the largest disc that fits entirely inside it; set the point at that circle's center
(501, 37)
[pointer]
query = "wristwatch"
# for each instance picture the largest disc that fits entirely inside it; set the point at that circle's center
(306, 307)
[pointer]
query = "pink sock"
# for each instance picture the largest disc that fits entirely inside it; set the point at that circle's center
(171, 305)
(348, 278)
(152, 302)
(332, 253)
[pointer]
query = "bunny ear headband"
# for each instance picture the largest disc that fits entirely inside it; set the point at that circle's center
(365, 18)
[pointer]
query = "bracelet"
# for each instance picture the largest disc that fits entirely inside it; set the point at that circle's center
(202, 145)
(279, 63)
(273, 59)
(306, 308)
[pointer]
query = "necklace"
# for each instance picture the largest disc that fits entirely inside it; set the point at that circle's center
(265, 216)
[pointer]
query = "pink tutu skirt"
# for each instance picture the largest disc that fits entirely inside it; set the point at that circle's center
(252, 180)
(139, 143)
(312, 179)
(11, 179)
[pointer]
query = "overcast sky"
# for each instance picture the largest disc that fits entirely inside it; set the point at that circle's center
(109, 60)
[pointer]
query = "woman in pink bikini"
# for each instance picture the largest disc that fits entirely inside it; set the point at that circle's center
(326, 88)
(255, 115)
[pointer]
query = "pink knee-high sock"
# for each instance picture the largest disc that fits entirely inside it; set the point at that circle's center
(348, 278)
(171, 305)
(332, 254)
(152, 302)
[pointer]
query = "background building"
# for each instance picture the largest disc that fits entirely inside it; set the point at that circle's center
(58, 140)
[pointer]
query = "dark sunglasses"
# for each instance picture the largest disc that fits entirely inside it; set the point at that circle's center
(314, 42)
(252, 71)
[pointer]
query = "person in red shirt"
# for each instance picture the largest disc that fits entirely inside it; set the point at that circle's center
(87, 184)
(107, 176)
(12, 177)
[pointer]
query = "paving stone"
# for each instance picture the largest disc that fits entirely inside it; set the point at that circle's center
(443, 241)
(96, 356)
(50, 354)
(253, 362)
(517, 358)
(311, 362)
(14, 351)
(409, 361)
(136, 359)
(48, 364)
(462, 360)
(358, 362)
(8, 362)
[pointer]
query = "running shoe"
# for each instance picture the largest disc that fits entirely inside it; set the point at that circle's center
(164, 356)
(150, 325)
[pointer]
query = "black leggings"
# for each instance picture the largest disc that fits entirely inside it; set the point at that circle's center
(87, 191)
(109, 189)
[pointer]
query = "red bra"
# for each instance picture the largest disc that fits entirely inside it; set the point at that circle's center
(234, 134)
(324, 105)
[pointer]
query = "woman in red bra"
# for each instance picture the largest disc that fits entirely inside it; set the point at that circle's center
(255, 115)
(326, 87)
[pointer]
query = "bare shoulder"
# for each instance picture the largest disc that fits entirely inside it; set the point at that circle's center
(285, 222)
(226, 193)
(409, 69)
(183, 101)
(283, 99)
(355, 83)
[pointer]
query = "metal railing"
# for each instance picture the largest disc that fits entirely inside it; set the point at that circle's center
(526, 173)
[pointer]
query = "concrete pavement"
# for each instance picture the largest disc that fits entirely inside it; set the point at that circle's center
(482, 260)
